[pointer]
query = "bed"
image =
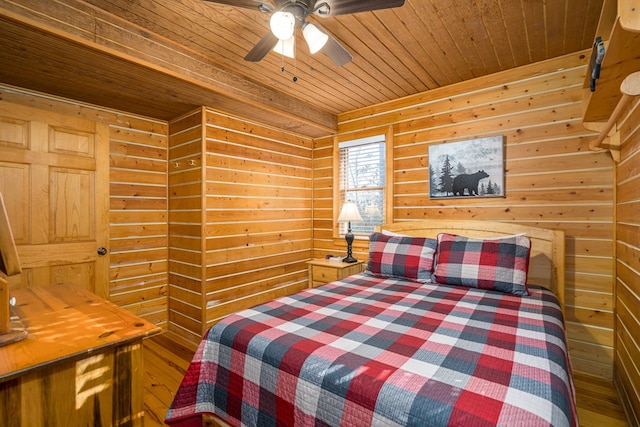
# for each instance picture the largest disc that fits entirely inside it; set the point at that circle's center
(455, 323)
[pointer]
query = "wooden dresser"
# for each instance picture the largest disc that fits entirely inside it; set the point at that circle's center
(81, 363)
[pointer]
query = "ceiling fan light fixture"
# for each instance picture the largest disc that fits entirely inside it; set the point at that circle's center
(315, 38)
(282, 24)
(286, 47)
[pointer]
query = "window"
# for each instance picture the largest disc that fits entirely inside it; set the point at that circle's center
(363, 178)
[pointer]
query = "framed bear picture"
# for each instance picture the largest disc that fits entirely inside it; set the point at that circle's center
(470, 168)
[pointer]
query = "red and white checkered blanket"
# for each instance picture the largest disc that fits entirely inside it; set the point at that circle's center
(388, 352)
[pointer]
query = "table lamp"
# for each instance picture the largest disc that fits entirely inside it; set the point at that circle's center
(349, 213)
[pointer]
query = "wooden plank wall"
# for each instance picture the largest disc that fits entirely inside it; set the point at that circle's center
(138, 212)
(258, 213)
(627, 292)
(138, 216)
(186, 188)
(552, 179)
(240, 217)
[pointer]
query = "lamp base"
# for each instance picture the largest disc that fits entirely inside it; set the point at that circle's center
(349, 238)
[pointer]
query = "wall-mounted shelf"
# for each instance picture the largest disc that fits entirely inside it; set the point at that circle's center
(619, 28)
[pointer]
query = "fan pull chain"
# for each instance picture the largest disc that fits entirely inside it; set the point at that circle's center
(295, 69)
(295, 64)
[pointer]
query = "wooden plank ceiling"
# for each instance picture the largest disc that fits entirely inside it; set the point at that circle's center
(162, 58)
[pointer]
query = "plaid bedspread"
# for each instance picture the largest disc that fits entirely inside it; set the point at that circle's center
(387, 352)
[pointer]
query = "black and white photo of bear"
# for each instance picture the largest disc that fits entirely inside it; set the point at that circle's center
(468, 182)
(471, 168)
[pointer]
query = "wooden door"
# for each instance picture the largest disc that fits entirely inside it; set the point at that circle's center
(54, 180)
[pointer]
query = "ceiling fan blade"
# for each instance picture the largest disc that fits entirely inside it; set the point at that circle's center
(345, 7)
(263, 47)
(262, 6)
(336, 52)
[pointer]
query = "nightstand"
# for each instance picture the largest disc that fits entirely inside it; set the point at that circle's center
(323, 271)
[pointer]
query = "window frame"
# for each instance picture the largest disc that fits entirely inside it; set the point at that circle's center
(388, 187)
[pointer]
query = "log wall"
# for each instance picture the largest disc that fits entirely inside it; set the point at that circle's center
(138, 216)
(627, 290)
(552, 179)
(240, 217)
(186, 189)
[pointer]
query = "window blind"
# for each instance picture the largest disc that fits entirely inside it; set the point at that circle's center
(362, 180)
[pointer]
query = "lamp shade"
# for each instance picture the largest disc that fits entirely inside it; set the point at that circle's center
(349, 213)
(286, 47)
(282, 24)
(371, 210)
(315, 38)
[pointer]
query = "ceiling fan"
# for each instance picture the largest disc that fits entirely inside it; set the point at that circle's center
(287, 15)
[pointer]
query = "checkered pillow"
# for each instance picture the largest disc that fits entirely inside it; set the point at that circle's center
(401, 257)
(500, 264)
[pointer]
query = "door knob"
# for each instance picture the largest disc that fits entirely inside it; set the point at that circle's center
(102, 251)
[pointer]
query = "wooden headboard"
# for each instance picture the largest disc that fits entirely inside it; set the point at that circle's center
(547, 261)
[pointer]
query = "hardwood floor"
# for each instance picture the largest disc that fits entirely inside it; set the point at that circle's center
(597, 403)
(166, 361)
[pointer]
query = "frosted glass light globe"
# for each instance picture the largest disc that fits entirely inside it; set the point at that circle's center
(282, 24)
(315, 38)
